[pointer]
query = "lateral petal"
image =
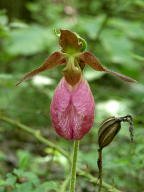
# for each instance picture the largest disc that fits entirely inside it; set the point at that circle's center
(53, 60)
(91, 60)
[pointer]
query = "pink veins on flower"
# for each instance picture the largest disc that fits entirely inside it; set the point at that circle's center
(72, 110)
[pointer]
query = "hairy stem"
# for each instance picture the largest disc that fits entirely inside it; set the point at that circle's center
(73, 169)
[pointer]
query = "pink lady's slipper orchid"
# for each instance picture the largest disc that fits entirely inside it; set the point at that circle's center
(72, 107)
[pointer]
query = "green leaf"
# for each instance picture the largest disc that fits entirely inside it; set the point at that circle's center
(29, 40)
(50, 185)
(118, 45)
(31, 177)
(24, 159)
(24, 187)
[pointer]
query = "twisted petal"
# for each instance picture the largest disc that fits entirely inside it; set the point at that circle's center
(90, 59)
(72, 110)
(52, 61)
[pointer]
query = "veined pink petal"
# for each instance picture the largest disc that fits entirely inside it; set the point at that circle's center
(72, 110)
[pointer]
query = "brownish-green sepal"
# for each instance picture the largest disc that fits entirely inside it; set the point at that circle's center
(108, 131)
(52, 61)
(89, 59)
(69, 42)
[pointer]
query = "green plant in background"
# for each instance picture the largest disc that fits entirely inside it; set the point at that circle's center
(114, 32)
(25, 157)
(19, 180)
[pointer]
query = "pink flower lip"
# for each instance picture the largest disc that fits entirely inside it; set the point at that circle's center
(72, 110)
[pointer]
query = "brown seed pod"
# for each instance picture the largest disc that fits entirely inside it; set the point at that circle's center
(107, 131)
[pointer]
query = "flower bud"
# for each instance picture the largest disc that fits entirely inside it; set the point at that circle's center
(72, 109)
(110, 127)
(107, 131)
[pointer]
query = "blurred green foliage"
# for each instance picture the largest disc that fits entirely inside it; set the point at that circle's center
(114, 32)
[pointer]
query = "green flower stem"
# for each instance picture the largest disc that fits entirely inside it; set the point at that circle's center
(74, 163)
